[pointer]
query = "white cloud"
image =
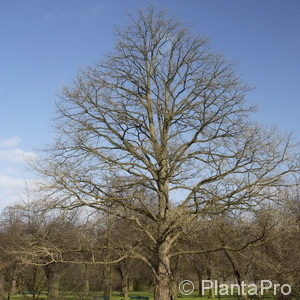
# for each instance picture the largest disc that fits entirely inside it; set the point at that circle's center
(12, 172)
(11, 142)
(16, 155)
(15, 171)
(8, 182)
(14, 189)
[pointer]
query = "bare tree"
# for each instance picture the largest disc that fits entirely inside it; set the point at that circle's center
(278, 258)
(34, 239)
(158, 134)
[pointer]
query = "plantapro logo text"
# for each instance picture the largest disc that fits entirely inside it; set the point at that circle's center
(243, 289)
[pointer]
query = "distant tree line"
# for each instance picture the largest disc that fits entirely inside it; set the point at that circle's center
(60, 252)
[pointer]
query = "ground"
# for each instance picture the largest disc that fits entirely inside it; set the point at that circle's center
(116, 296)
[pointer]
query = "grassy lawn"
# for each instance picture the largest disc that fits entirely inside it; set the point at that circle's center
(116, 296)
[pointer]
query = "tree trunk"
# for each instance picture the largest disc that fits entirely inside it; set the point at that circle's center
(123, 269)
(86, 288)
(130, 284)
(1, 286)
(124, 281)
(53, 292)
(124, 291)
(175, 279)
(211, 291)
(107, 270)
(173, 291)
(53, 281)
(107, 289)
(107, 292)
(86, 283)
(163, 282)
(199, 276)
(13, 287)
(236, 272)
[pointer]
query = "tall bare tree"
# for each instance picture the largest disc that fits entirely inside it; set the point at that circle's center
(158, 133)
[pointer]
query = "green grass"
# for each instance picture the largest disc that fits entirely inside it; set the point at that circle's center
(116, 296)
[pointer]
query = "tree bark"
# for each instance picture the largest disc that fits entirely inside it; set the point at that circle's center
(107, 288)
(173, 289)
(86, 288)
(130, 284)
(124, 291)
(53, 281)
(236, 272)
(123, 269)
(1, 285)
(211, 291)
(175, 279)
(86, 283)
(163, 282)
(199, 276)
(13, 287)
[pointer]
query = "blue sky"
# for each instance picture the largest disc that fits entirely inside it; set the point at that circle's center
(44, 43)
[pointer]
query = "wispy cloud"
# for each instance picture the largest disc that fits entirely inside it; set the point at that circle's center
(10, 152)
(8, 182)
(91, 13)
(47, 17)
(16, 155)
(86, 15)
(11, 142)
(12, 173)
(14, 189)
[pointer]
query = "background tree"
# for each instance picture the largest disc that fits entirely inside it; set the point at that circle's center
(26, 251)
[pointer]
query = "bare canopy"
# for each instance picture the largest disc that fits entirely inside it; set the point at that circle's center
(158, 133)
